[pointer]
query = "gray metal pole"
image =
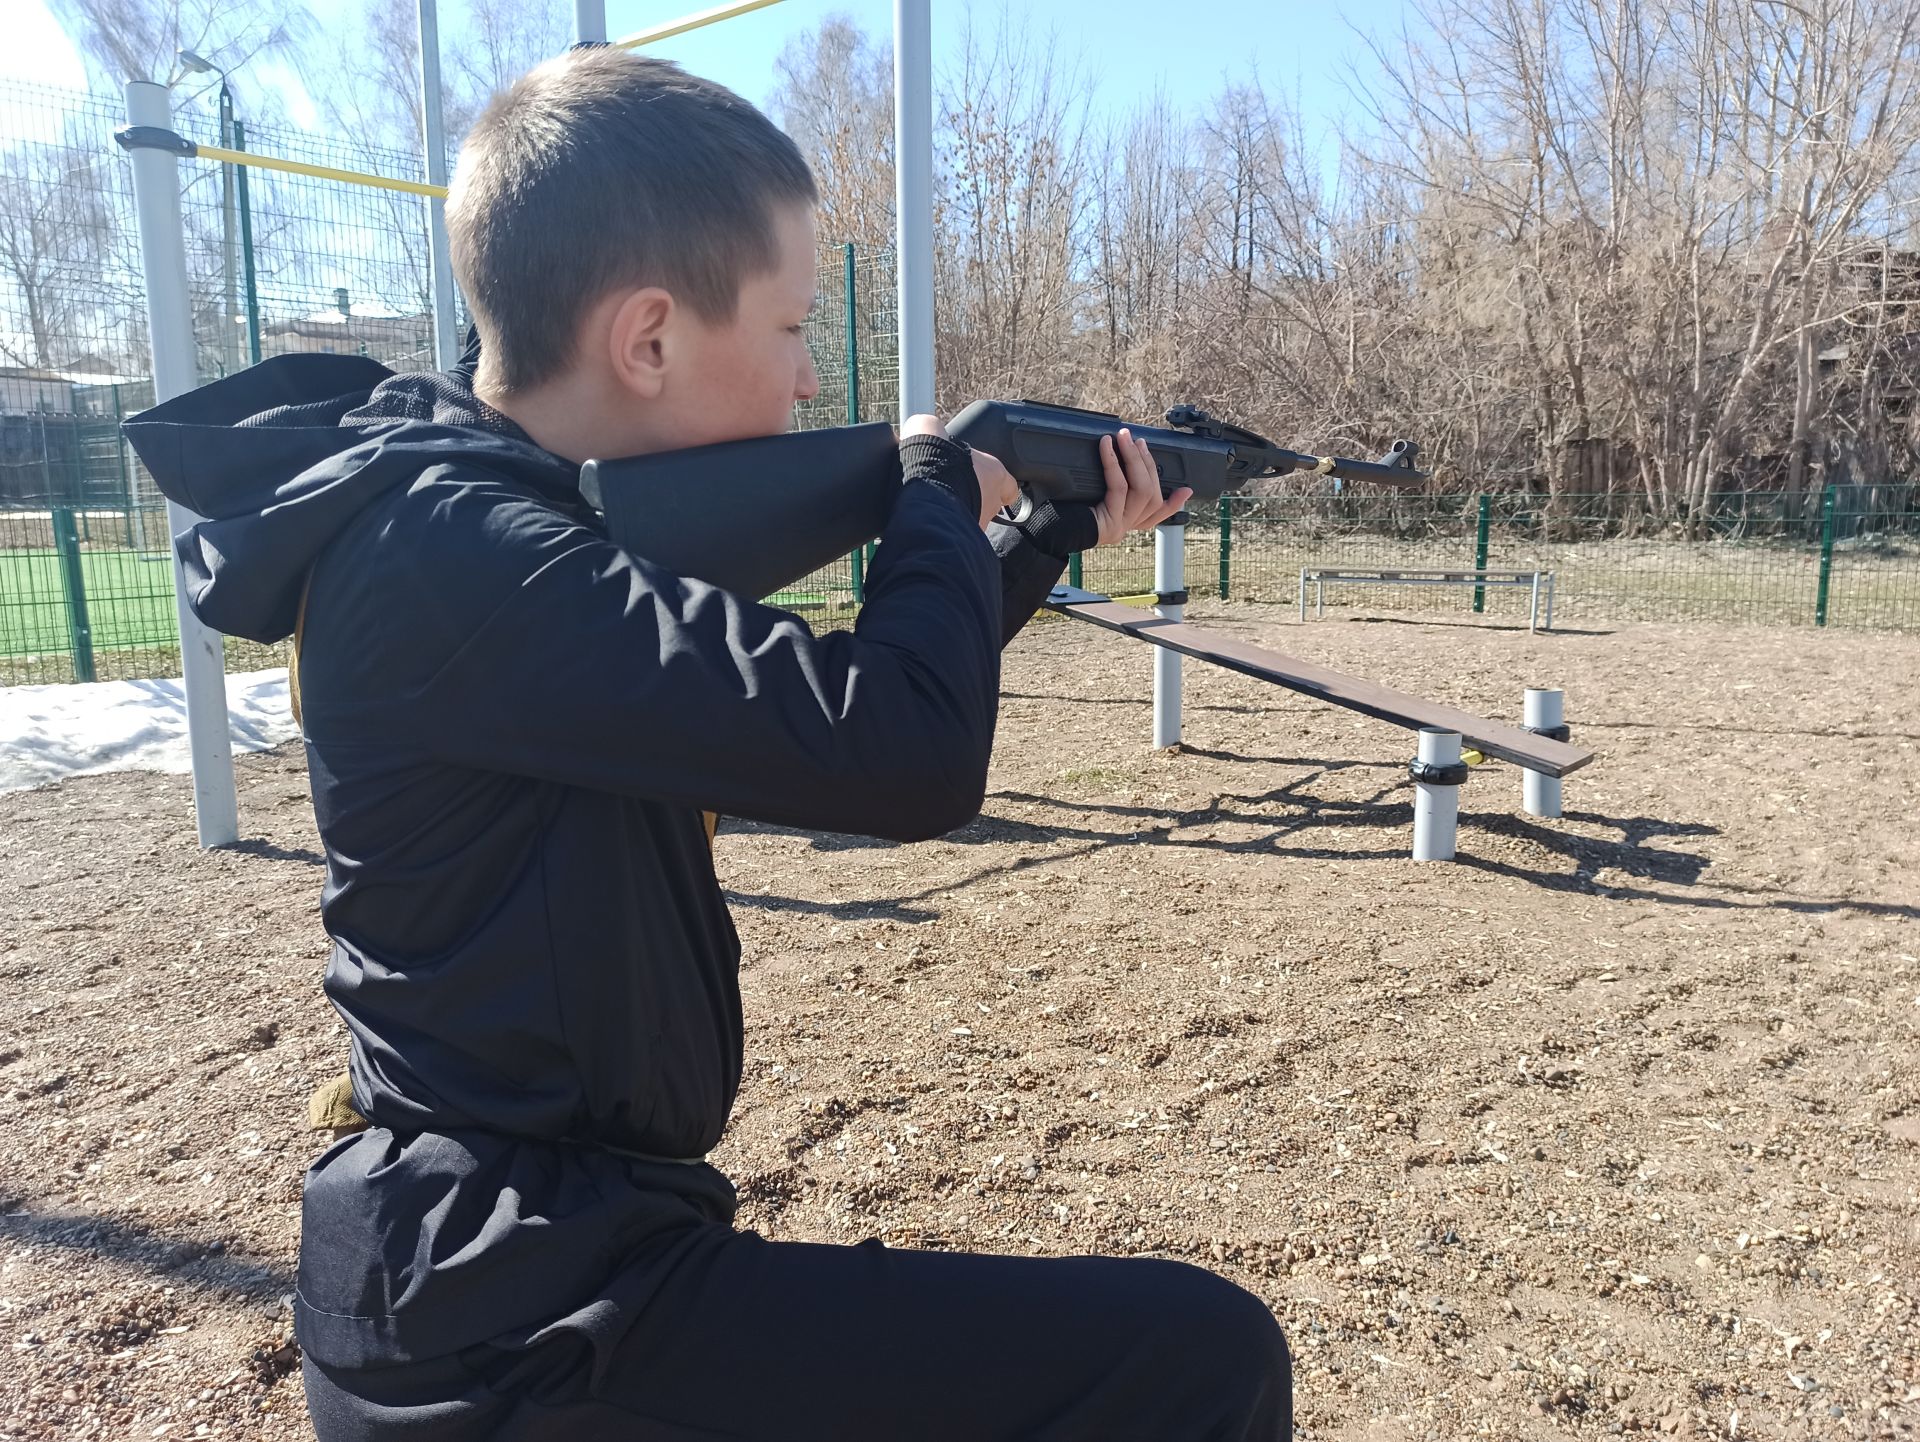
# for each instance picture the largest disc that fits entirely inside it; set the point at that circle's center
(589, 22)
(913, 199)
(163, 261)
(1436, 806)
(446, 328)
(1169, 579)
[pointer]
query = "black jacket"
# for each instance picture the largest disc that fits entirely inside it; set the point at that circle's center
(512, 729)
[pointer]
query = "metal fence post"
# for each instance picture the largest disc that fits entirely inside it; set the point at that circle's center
(246, 251)
(1826, 557)
(1073, 569)
(913, 199)
(163, 262)
(433, 141)
(1480, 549)
(1226, 543)
(79, 627)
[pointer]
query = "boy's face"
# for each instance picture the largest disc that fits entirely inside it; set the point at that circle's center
(743, 378)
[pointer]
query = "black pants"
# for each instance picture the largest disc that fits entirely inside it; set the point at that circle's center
(748, 1340)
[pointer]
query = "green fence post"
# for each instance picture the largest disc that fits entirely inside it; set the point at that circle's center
(1826, 558)
(1073, 569)
(853, 344)
(246, 249)
(79, 628)
(1226, 543)
(858, 560)
(1480, 549)
(126, 478)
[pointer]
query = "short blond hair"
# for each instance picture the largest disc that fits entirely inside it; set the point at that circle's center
(602, 169)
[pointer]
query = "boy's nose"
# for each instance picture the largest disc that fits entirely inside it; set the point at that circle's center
(809, 386)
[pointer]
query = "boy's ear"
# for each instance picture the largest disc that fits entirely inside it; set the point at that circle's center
(637, 340)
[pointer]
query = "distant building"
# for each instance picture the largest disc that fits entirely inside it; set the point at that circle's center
(353, 329)
(47, 390)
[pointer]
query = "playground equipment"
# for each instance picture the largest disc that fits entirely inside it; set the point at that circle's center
(1539, 583)
(1441, 765)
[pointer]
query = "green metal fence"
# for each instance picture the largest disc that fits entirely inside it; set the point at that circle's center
(1845, 556)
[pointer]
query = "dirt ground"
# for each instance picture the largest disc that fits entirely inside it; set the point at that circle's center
(1611, 1127)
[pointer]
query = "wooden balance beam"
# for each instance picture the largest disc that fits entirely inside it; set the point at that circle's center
(1492, 738)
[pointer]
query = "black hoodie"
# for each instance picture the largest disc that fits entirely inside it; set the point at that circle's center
(512, 729)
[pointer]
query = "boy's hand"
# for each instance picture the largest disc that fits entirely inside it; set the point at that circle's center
(998, 489)
(1133, 500)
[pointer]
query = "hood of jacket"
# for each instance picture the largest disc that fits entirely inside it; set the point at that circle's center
(280, 458)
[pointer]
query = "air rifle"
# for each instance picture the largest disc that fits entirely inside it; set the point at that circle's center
(1054, 452)
(755, 516)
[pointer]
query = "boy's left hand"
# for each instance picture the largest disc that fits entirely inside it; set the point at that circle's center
(1133, 500)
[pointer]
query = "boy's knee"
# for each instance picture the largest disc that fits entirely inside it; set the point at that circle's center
(1223, 1331)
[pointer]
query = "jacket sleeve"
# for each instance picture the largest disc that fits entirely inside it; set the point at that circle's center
(1027, 574)
(547, 651)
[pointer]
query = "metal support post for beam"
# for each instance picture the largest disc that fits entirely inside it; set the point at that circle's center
(1438, 773)
(163, 261)
(589, 22)
(1544, 712)
(446, 326)
(913, 199)
(1170, 582)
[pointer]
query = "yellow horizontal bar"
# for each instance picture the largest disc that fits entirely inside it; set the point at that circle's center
(324, 172)
(439, 192)
(691, 22)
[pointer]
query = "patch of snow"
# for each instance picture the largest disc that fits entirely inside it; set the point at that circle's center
(47, 732)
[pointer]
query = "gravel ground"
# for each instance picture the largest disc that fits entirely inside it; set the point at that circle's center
(1610, 1128)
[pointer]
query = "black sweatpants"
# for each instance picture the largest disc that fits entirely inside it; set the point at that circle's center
(747, 1340)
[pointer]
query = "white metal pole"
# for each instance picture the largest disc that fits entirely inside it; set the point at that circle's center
(913, 199)
(446, 328)
(589, 22)
(1169, 579)
(163, 261)
(1543, 711)
(1436, 806)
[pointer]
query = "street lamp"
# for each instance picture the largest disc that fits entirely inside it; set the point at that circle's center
(229, 341)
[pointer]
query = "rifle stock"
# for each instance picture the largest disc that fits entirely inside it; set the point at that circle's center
(751, 517)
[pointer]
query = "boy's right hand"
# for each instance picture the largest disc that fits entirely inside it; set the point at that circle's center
(998, 489)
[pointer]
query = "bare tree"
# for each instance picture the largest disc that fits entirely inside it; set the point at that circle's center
(833, 93)
(123, 40)
(1011, 198)
(56, 243)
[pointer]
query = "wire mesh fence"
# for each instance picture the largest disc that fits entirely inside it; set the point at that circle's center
(282, 263)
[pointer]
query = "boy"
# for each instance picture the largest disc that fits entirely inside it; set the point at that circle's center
(513, 731)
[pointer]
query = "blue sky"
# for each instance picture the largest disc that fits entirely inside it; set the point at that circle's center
(1128, 46)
